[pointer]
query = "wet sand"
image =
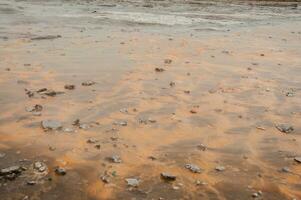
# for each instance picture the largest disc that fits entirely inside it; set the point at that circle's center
(227, 81)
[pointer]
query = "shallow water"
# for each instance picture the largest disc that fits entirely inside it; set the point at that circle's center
(232, 63)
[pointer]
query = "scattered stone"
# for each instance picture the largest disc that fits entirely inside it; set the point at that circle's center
(114, 159)
(35, 108)
(124, 110)
(84, 126)
(88, 83)
(157, 69)
(92, 141)
(168, 177)
(60, 171)
(51, 125)
(11, 170)
(286, 170)
(285, 128)
(121, 123)
(47, 37)
(69, 87)
(220, 168)
(31, 182)
(260, 128)
(202, 147)
(2, 155)
(297, 159)
(193, 168)
(133, 182)
(68, 130)
(199, 182)
(97, 146)
(193, 111)
(29, 93)
(76, 122)
(40, 166)
(51, 93)
(172, 84)
(289, 94)
(105, 178)
(167, 61)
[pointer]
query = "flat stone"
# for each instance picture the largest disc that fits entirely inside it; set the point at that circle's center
(51, 125)
(285, 128)
(193, 168)
(133, 182)
(168, 177)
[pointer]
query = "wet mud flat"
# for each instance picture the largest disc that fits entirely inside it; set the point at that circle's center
(150, 100)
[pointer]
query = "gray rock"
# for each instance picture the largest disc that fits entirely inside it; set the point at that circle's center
(133, 182)
(168, 177)
(51, 125)
(285, 128)
(193, 168)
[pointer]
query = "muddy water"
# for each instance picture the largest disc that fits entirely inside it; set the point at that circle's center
(236, 65)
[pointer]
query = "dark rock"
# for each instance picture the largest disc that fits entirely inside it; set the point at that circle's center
(133, 182)
(193, 111)
(60, 171)
(41, 90)
(88, 83)
(168, 177)
(157, 69)
(76, 122)
(47, 37)
(193, 168)
(97, 146)
(92, 141)
(172, 84)
(167, 61)
(285, 128)
(51, 125)
(202, 147)
(69, 87)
